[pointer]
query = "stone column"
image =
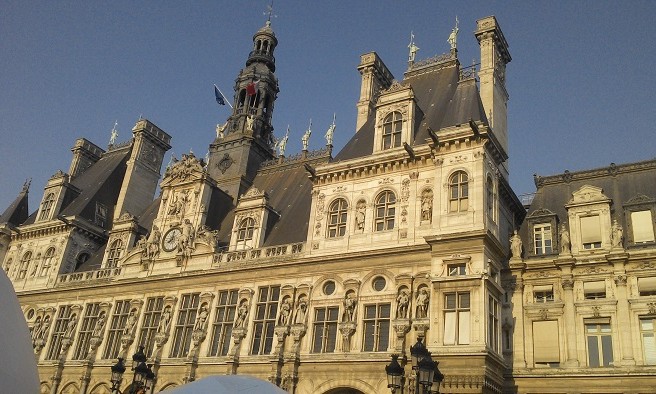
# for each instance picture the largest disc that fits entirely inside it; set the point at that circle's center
(518, 329)
(570, 322)
(626, 340)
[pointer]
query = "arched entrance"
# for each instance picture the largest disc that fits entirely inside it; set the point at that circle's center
(343, 390)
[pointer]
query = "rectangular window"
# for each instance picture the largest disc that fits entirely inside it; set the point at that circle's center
(647, 286)
(543, 293)
(376, 327)
(264, 320)
(456, 318)
(151, 316)
(119, 318)
(457, 269)
(63, 315)
(643, 226)
(184, 325)
(101, 214)
(594, 290)
(546, 346)
(493, 337)
(542, 238)
(325, 329)
(600, 343)
(223, 323)
(648, 333)
(591, 232)
(91, 315)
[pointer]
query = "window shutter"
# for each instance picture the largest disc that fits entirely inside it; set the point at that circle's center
(590, 229)
(643, 227)
(546, 347)
(646, 284)
(463, 328)
(450, 328)
(594, 287)
(543, 288)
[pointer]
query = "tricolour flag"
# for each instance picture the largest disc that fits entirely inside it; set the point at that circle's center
(218, 96)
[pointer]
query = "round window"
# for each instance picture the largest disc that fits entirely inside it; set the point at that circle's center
(329, 287)
(379, 283)
(30, 314)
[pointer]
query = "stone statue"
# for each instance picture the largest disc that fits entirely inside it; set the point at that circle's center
(70, 326)
(422, 304)
(201, 319)
(301, 311)
(152, 244)
(186, 239)
(330, 132)
(349, 308)
(282, 144)
(360, 213)
(413, 48)
(565, 244)
(516, 245)
(242, 312)
(130, 322)
(427, 205)
(453, 37)
(306, 137)
(38, 324)
(249, 122)
(285, 312)
(403, 300)
(220, 129)
(164, 321)
(616, 235)
(100, 324)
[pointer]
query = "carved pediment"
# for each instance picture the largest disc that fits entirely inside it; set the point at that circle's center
(187, 168)
(541, 212)
(640, 199)
(588, 194)
(253, 192)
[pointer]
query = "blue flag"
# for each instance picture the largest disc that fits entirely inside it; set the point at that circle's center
(218, 96)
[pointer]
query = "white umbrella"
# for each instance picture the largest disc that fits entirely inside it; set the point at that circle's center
(229, 384)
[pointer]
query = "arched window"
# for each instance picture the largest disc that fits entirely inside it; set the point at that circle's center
(115, 251)
(258, 45)
(489, 187)
(385, 210)
(24, 265)
(458, 192)
(265, 47)
(46, 206)
(242, 98)
(392, 126)
(47, 261)
(253, 102)
(337, 218)
(245, 230)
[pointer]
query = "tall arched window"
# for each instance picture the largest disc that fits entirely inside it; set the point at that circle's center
(392, 126)
(115, 251)
(458, 192)
(24, 265)
(337, 218)
(245, 229)
(46, 206)
(489, 186)
(47, 261)
(385, 210)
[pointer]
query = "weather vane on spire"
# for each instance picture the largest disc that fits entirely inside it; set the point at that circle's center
(453, 37)
(269, 12)
(114, 135)
(413, 48)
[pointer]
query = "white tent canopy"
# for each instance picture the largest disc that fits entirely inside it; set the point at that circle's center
(228, 384)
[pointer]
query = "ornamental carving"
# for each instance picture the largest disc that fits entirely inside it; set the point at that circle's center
(567, 284)
(620, 280)
(385, 181)
(183, 168)
(405, 190)
(253, 192)
(652, 308)
(248, 214)
(395, 87)
(225, 163)
(321, 201)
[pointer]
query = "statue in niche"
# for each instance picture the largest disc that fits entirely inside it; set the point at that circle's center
(565, 244)
(186, 239)
(201, 319)
(360, 214)
(285, 312)
(349, 307)
(164, 321)
(100, 324)
(403, 301)
(70, 326)
(516, 245)
(242, 312)
(152, 243)
(38, 323)
(130, 322)
(616, 234)
(427, 205)
(178, 204)
(422, 303)
(42, 332)
(301, 310)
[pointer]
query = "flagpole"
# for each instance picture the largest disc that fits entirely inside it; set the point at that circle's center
(223, 95)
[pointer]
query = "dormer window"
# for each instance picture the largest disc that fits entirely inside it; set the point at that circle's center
(115, 251)
(458, 192)
(392, 127)
(46, 206)
(245, 230)
(542, 238)
(385, 211)
(337, 218)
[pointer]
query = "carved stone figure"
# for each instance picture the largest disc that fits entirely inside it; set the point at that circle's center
(453, 37)
(178, 204)
(220, 129)
(306, 137)
(301, 311)
(616, 235)
(186, 239)
(242, 312)
(516, 245)
(38, 323)
(152, 244)
(403, 300)
(330, 132)
(360, 214)
(130, 323)
(42, 333)
(349, 308)
(164, 321)
(422, 303)
(282, 144)
(70, 326)
(427, 205)
(100, 324)
(201, 319)
(565, 243)
(285, 312)
(249, 123)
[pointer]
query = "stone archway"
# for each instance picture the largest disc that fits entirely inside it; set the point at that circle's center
(343, 390)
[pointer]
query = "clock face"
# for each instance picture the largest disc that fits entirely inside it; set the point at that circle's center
(170, 241)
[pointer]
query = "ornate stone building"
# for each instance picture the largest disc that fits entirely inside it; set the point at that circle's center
(311, 270)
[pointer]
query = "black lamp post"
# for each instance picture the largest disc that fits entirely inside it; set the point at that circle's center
(143, 378)
(426, 371)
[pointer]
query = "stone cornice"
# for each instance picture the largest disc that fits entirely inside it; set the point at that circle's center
(601, 172)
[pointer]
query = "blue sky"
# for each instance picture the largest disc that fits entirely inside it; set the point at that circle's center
(581, 81)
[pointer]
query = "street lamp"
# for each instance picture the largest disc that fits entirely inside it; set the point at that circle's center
(143, 378)
(426, 371)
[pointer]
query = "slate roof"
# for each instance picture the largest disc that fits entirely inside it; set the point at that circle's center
(444, 100)
(16, 212)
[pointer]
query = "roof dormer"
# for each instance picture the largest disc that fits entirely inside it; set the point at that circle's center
(252, 216)
(397, 114)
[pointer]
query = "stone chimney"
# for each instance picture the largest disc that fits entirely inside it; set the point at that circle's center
(492, 74)
(375, 77)
(85, 154)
